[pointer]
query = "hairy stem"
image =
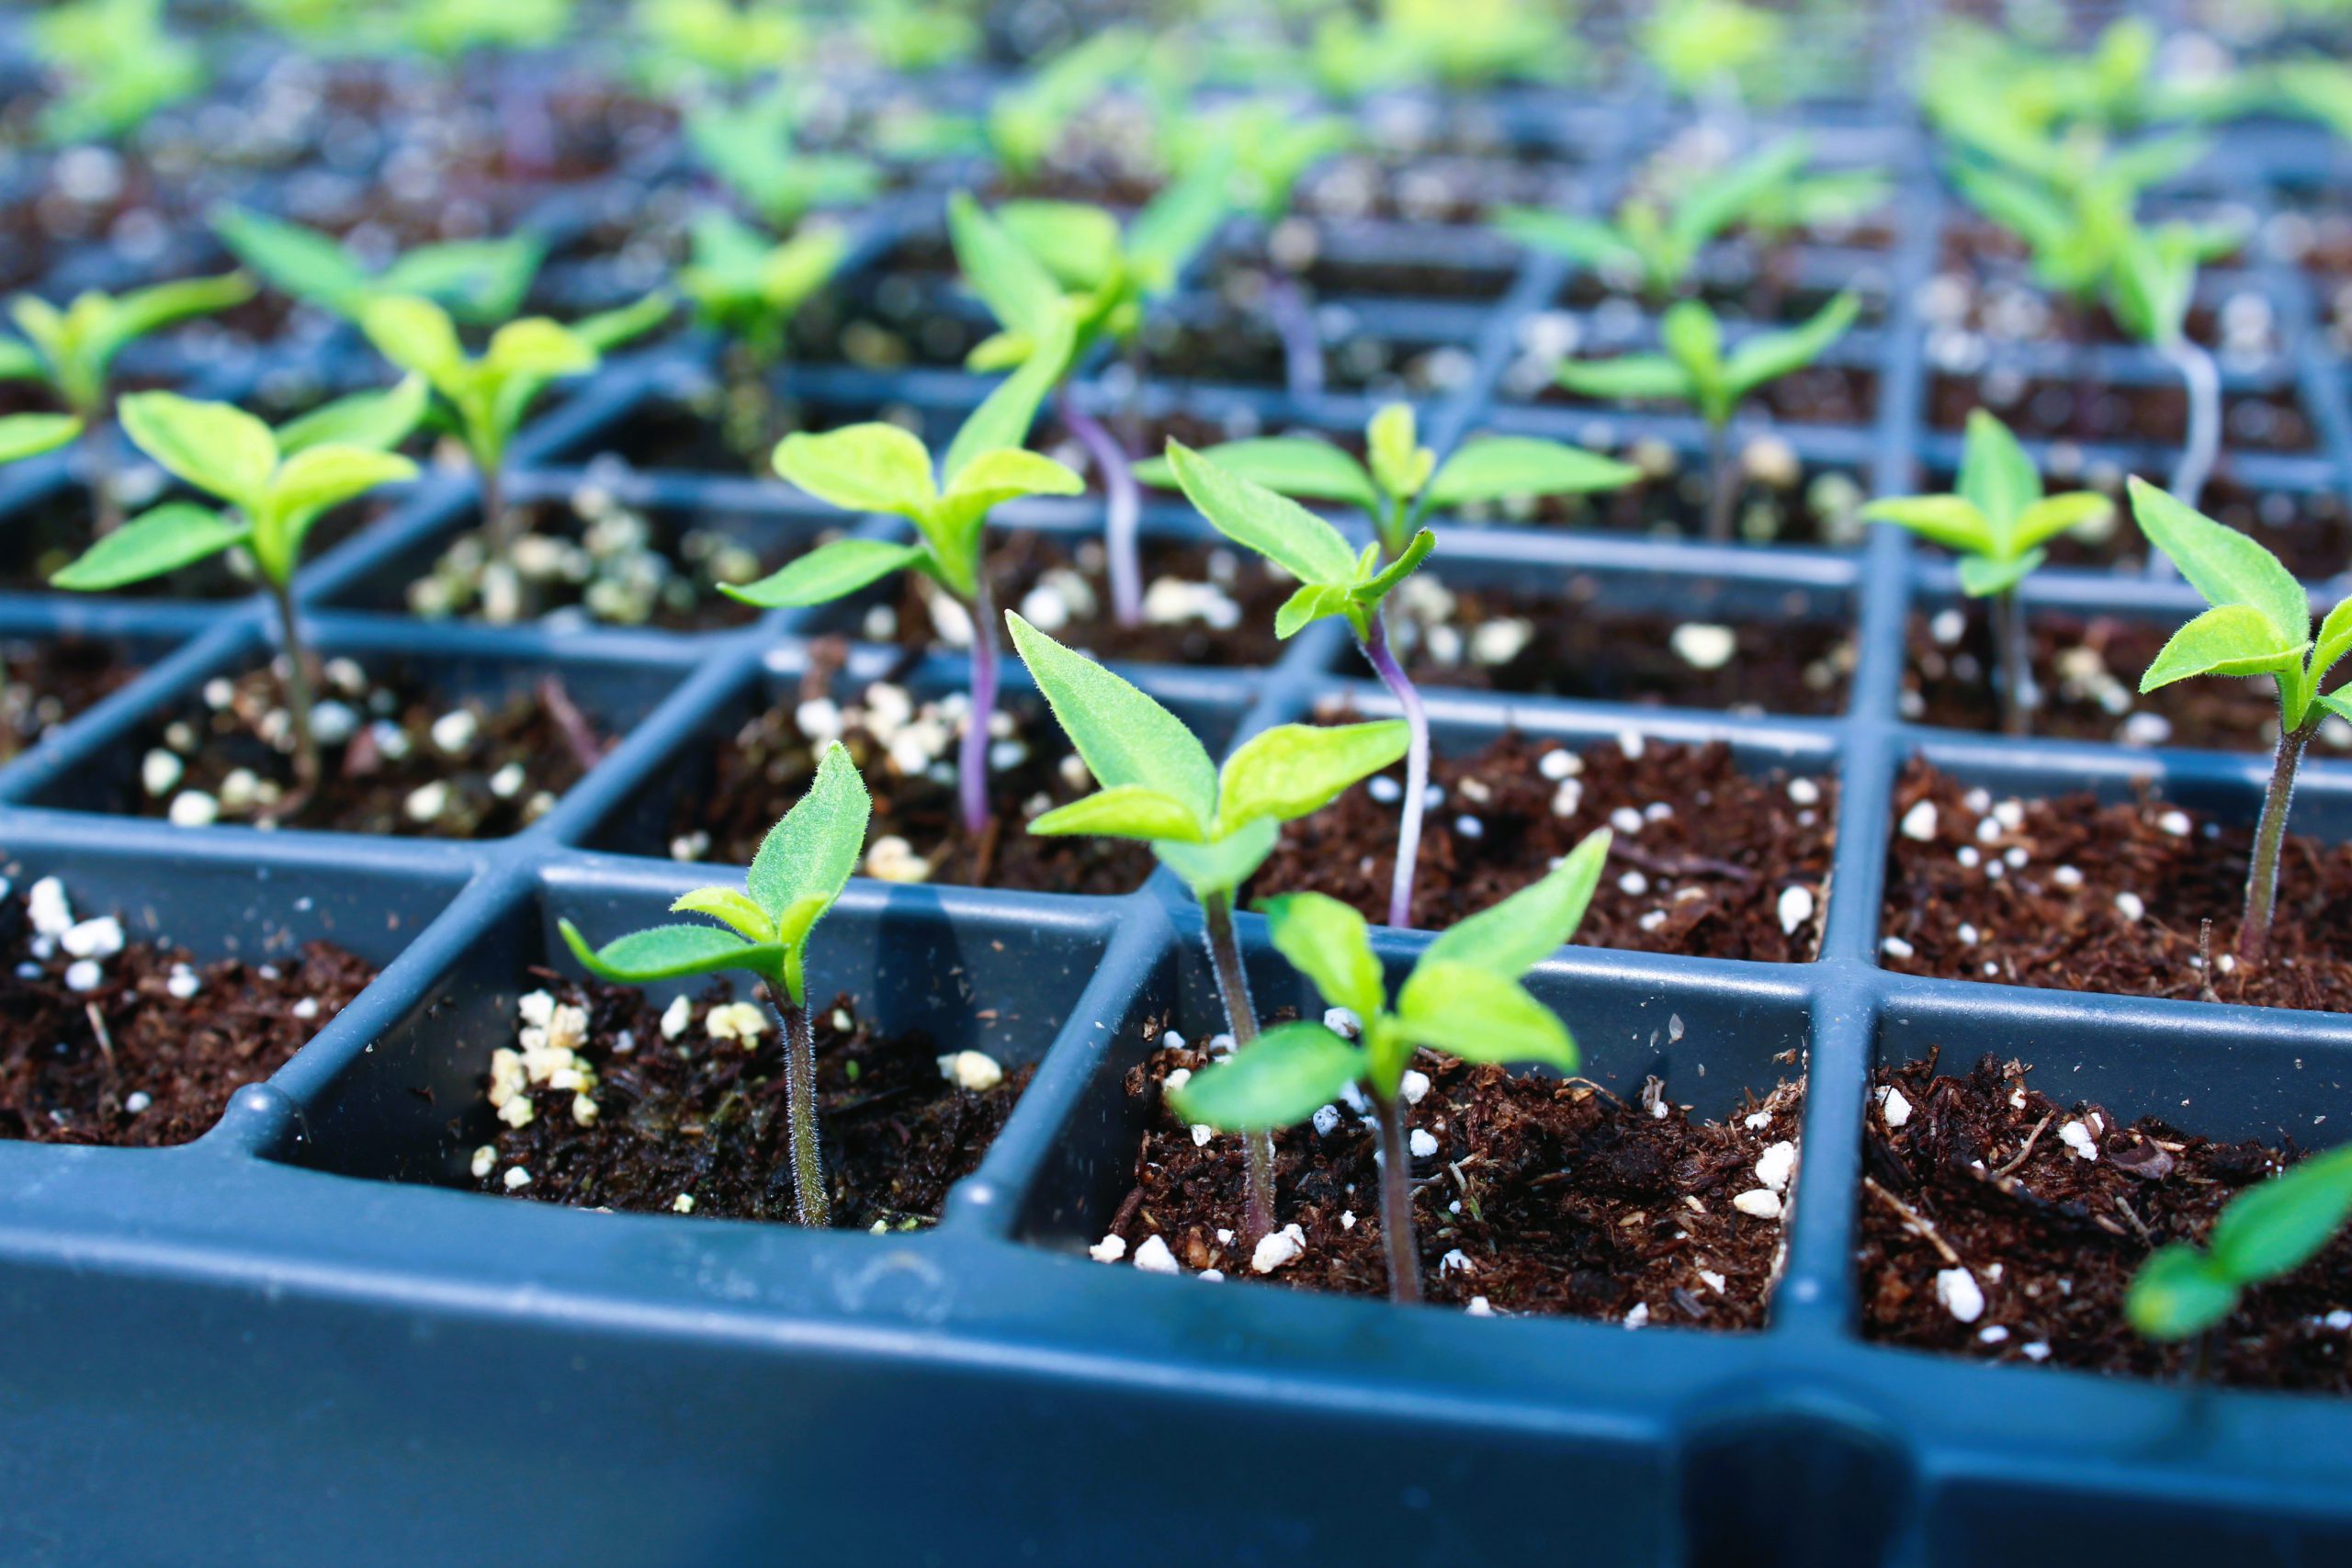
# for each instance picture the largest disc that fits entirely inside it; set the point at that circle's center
(2019, 696)
(1293, 323)
(1123, 508)
(972, 761)
(2269, 836)
(306, 771)
(812, 1205)
(2203, 447)
(1396, 1236)
(1417, 767)
(1723, 484)
(1241, 1017)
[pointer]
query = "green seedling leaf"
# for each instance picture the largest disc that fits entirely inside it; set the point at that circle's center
(608, 330)
(1311, 603)
(2228, 639)
(1534, 922)
(1995, 475)
(2264, 1232)
(1494, 467)
(1123, 735)
(1288, 465)
(1011, 282)
(1480, 1016)
(2178, 1293)
(1255, 516)
(1998, 519)
(1283, 1076)
(375, 420)
(2222, 564)
(1400, 465)
(26, 436)
(670, 952)
(1003, 418)
(750, 921)
(1952, 521)
(2335, 639)
(1767, 356)
(1294, 770)
(215, 447)
(1981, 578)
(1125, 811)
(417, 336)
(861, 467)
(1629, 378)
(826, 573)
(1330, 943)
(1590, 242)
(164, 540)
(809, 857)
(1222, 865)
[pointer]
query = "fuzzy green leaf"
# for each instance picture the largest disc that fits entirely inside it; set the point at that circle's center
(1995, 475)
(1009, 473)
(2335, 639)
(1293, 466)
(1330, 943)
(1480, 1016)
(826, 573)
(1078, 244)
(1125, 811)
(221, 450)
(480, 280)
(2228, 639)
(2222, 564)
(1400, 464)
(813, 853)
(164, 540)
(378, 421)
(142, 310)
(1767, 356)
(1281, 1078)
(2046, 519)
(1121, 734)
(750, 921)
(1292, 769)
(1003, 418)
(21, 362)
(2336, 703)
(1630, 378)
(1311, 604)
(1223, 863)
(1175, 224)
(322, 477)
(2178, 1291)
(670, 952)
(301, 262)
(860, 467)
(1378, 586)
(1952, 521)
(26, 436)
(1493, 466)
(1532, 923)
(607, 329)
(1274, 526)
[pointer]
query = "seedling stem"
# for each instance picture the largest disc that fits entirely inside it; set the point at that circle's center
(1241, 1017)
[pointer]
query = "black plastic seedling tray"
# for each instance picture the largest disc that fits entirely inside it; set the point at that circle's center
(291, 1342)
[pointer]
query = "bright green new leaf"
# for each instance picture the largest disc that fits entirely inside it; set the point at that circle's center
(1294, 770)
(670, 952)
(2056, 515)
(1952, 521)
(1330, 943)
(219, 449)
(26, 436)
(1532, 923)
(750, 921)
(1400, 465)
(2335, 639)
(418, 335)
(1767, 356)
(2178, 1293)
(1491, 467)
(1273, 525)
(1222, 865)
(813, 853)
(1995, 475)
(1284, 1077)
(2222, 564)
(1311, 603)
(2277, 1226)
(1125, 811)
(1003, 418)
(1629, 378)
(173, 536)
(1010, 472)
(1010, 281)
(826, 573)
(536, 346)
(860, 467)
(1289, 464)
(2228, 639)
(1121, 734)
(1480, 1016)
(376, 421)
(1981, 577)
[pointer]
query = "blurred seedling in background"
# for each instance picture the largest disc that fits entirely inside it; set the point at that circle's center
(1453, 43)
(1999, 524)
(71, 352)
(478, 281)
(276, 484)
(748, 285)
(2260, 625)
(1694, 369)
(1244, 489)
(1214, 828)
(2152, 286)
(1037, 263)
(485, 397)
(685, 47)
(2266, 1232)
(1463, 996)
(880, 468)
(1713, 49)
(752, 151)
(112, 64)
(1028, 122)
(801, 868)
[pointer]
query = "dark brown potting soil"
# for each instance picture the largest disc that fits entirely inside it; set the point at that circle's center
(2102, 411)
(65, 1079)
(2051, 1240)
(371, 786)
(704, 1119)
(49, 681)
(2108, 897)
(1705, 872)
(1544, 1196)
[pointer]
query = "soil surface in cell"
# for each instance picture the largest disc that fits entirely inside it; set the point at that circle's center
(1580, 646)
(2098, 411)
(1990, 1177)
(1705, 859)
(905, 750)
(410, 760)
(130, 1062)
(682, 1114)
(594, 558)
(2086, 669)
(2084, 895)
(51, 681)
(2311, 532)
(1210, 606)
(1817, 394)
(1780, 503)
(1544, 1196)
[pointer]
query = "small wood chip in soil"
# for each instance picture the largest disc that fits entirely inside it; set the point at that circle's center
(1558, 1196)
(1707, 874)
(704, 1119)
(2104, 896)
(2052, 1241)
(60, 1085)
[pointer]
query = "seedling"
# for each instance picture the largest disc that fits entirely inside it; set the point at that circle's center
(447, 30)
(748, 286)
(1694, 369)
(1463, 996)
(2264, 1232)
(1710, 45)
(2260, 625)
(1038, 263)
(276, 484)
(26, 436)
(487, 395)
(1212, 827)
(1243, 487)
(1656, 243)
(1461, 43)
(911, 37)
(1027, 121)
(802, 865)
(115, 65)
(71, 352)
(1976, 73)
(880, 468)
(2154, 282)
(477, 281)
(2072, 203)
(750, 150)
(690, 42)
(2000, 523)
